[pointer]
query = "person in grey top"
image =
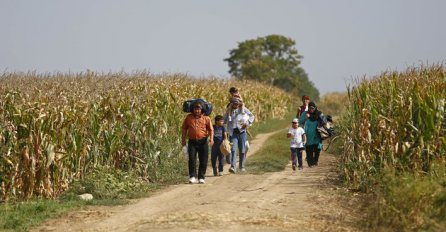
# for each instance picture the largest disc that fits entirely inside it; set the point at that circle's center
(238, 119)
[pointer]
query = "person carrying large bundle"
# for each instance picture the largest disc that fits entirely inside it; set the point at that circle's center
(197, 127)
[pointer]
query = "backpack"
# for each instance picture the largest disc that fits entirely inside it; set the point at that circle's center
(188, 106)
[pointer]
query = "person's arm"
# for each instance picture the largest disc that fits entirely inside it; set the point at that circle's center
(210, 131)
(250, 119)
(302, 118)
(304, 136)
(227, 114)
(183, 137)
(183, 133)
(288, 135)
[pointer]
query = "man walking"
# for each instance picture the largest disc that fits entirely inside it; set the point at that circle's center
(238, 119)
(198, 128)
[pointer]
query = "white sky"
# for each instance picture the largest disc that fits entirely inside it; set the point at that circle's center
(340, 40)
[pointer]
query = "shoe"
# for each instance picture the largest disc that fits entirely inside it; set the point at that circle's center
(243, 170)
(192, 180)
(220, 173)
(232, 170)
(201, 181)
(294, 167)
(300, 167)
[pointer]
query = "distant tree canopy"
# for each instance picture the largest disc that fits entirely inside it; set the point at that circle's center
(273, 60)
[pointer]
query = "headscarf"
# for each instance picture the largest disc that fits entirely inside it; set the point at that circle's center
(315, 114)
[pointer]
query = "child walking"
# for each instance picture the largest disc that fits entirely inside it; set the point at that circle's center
(219, 135)
(298, 140)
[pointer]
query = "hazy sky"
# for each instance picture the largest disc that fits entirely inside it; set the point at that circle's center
(339, 40)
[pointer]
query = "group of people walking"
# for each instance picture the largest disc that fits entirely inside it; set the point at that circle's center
(304, 135)
(197, 128)
(233, 125)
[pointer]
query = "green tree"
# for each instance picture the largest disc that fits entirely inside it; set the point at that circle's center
(273, 60)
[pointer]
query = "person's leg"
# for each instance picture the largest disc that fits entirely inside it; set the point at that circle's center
(317, 152)
(191, 149)
(299, 157)
(214, 156)
(313, 154)
(242, 150)
(221, 161)
(308, 152)
(203, 155)
(293, 157)
(234, 141)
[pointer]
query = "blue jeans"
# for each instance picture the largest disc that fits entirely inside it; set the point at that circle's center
(296, 155)
(217, 155)
(238, 141)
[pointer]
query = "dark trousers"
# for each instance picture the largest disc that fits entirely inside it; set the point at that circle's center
(201, 147)
(217, 155)
(312, 154)
(296, 156)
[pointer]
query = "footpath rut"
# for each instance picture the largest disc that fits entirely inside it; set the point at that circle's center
(302, 200)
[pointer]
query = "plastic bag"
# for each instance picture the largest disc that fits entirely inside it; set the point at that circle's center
(185, 152)
(225, 147)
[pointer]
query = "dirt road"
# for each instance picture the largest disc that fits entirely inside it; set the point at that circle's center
(302, 200)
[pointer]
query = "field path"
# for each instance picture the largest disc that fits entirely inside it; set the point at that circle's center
(304, 200)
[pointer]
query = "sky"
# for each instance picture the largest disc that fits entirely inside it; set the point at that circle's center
(340, 40)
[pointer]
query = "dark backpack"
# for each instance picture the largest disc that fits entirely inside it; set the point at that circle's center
(189, 104)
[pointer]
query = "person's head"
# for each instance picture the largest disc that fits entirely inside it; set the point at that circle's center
(197, 108)
(219, 121)
(311, 107)
(233, 90)
(305, 99)
(295, 123)
(235, 102)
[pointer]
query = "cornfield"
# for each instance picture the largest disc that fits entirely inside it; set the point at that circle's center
(55, 128)
(395, 121)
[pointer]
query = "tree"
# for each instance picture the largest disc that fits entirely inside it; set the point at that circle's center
(272, 60)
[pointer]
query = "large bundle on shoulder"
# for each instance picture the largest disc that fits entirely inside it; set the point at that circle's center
(189, 104)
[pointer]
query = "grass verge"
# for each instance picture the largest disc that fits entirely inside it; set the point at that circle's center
(273, 156)
(275, 153)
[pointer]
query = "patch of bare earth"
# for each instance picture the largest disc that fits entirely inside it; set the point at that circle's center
(301, 200)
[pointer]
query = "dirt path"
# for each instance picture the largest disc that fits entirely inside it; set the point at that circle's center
(282, 201)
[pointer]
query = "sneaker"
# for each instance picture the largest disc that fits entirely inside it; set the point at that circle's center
(192, 180)
(220, 173)
(215, 172)
(294, 167)
(201, 181)
(300, 167)
(232, 170)
(243, 170)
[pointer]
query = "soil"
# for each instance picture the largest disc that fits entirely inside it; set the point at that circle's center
(301, 200)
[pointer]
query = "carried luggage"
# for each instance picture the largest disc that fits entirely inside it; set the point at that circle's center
(189, 104)
(225, 147)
